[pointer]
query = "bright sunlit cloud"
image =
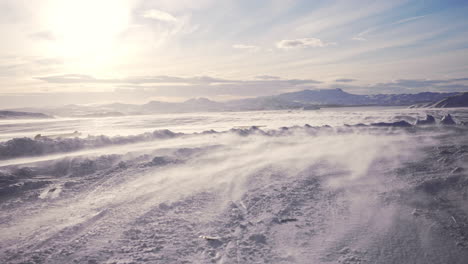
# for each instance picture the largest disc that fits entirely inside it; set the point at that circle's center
(159, 15)
(84, 27)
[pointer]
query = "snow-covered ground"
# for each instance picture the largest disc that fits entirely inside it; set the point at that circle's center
(212, 189)
(198, 122)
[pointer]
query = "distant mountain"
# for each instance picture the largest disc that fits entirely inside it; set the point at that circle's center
(408, 99)
(206, 105)
(201, 104)
(21, 115)
(192, 105)
(306, 99)
(459, 100)
(324, 97)
(340, 97)
(266, 103)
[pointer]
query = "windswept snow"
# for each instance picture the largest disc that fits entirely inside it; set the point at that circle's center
(290, 193)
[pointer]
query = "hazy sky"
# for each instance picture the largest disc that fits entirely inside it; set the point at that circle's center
(86, 51)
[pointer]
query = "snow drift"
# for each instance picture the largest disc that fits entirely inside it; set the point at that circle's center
(297, 194)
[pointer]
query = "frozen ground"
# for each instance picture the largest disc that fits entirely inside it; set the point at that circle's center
(285, 193)
(198, 122)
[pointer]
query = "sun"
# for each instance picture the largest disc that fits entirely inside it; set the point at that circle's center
(86, 29)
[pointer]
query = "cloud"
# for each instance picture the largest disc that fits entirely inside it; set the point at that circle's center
(344, 80)
(159, 15)
(196, 80)
(407, 20)
(361, 35)
(43, 35)
(49, 61)
(358, 38)
(70, 78)
(174, 86)
(419, 83)
(213, 86)
(82, 78)
(459, 79)
(409, 86)
(246, 47)
(424, 85)
(303, 43)
(9, 69)
(140, 88)
(267, 77)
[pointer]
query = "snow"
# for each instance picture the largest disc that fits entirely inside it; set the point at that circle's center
(293, 193)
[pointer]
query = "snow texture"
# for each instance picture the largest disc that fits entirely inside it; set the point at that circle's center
(367, 193)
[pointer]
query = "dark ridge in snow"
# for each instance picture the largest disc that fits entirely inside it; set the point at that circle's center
(393, 124)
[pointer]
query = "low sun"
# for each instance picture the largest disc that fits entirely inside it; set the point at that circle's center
(86, 29)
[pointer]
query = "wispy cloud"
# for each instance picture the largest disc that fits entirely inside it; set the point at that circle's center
(82, 78)
(359, 38)
(407, 20)
(271, 84)
(159, 15)
(344, 80)
(246, 47)
(409, 86)
(303, 43)
(43, 35)
(267, 77)
(196, 80)
(420, 83)
(362, 35)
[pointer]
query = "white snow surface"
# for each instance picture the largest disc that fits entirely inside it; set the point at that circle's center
(281, 192)
(198, 122)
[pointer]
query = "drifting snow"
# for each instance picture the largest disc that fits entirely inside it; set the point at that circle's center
(19, 147)
(297, 194)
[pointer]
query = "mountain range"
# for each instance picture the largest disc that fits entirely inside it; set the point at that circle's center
(306, 100)
(458, 100)
(341, 98)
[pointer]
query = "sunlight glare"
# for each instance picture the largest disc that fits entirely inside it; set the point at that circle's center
(87, 28)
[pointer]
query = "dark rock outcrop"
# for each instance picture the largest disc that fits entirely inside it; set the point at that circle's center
(447, 120)
(430, 120)
(393, 124)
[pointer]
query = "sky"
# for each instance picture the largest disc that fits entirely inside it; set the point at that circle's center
(100, 51)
